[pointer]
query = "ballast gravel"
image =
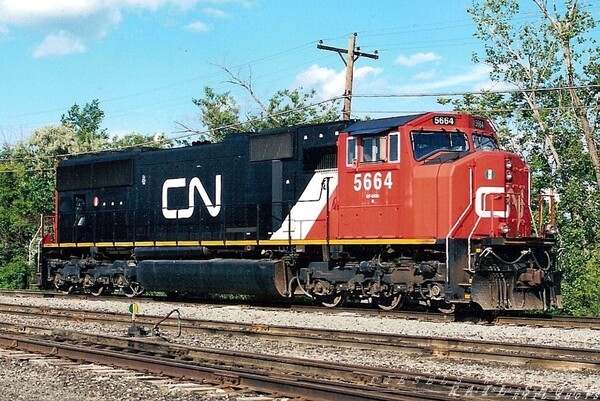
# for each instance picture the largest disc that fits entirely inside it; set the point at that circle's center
(538, 383)
(22, 380)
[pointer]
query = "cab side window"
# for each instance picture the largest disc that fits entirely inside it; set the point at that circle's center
(351, 151)
(369, 149)
(374, 149)
(394, 147)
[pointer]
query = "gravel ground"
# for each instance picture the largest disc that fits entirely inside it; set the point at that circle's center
(574, 338)
(586, 383)
(21, 380)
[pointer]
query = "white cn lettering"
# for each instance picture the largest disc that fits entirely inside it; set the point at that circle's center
(195, 185)
(483, 198)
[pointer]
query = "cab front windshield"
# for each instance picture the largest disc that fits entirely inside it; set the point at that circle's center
(427, 143)
(483, 142)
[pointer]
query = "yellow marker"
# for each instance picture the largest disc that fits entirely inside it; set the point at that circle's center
(133, 309)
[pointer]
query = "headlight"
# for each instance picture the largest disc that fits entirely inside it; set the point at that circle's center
(509, 175)
(504, 228)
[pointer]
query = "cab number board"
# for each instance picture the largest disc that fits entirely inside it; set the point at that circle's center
(479, 124)
(444, 120)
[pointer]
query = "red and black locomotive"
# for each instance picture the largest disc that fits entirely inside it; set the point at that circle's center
(422, 209)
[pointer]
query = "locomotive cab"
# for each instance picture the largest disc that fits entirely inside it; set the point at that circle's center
(430, 185)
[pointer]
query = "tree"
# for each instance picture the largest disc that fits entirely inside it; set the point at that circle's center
(537, 58)
(286, 107)
(551, 121)
(87, 123)
(135, 139)
(55, 140)
(220, 112)
(27, 180)
(572, 26)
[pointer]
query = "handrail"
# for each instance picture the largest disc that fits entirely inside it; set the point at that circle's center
(460, 219)
(38, 236)
(551, 207)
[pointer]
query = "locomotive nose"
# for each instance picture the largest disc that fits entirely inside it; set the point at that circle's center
(502, 195)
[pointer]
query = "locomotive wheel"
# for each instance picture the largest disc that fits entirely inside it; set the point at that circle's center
(390, 302)
(97, 291)
(133, 290)
(333, 300)
(61, 286)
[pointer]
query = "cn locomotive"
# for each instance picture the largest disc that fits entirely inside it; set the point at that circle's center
(422, 209)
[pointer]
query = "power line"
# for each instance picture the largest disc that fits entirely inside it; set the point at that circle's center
(480, 92)
(187, 133)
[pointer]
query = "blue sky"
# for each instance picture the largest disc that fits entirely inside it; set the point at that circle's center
(145, 60)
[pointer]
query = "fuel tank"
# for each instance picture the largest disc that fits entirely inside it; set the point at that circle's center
(267, 278)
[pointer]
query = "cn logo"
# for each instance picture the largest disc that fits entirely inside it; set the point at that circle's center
(194, 186)
(484, 200)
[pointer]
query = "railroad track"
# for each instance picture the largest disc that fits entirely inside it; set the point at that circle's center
(557, 358)
(104, 373)
(310, 380)
(540, 320)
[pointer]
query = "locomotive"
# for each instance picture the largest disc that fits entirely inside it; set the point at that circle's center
(423, 209)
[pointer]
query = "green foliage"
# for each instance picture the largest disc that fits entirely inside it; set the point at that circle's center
(27, 180)
(293, 107)
(581, 288)
(136, 139)
(16, 274)
(87, 123)
(220, 113)
(17, 225)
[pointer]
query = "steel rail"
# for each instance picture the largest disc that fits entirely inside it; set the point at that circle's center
(561, 358)
(566, 322)
(313, 381)
(541, 320)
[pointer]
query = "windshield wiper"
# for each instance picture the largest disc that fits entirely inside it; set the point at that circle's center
(446, 157)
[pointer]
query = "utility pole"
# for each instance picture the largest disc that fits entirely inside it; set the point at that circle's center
(353, 54)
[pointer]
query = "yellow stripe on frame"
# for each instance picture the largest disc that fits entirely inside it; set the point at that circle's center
(166, 243)
(104, 244)
(355, 241)
(144, 243)
(124, 244)
(188, 243)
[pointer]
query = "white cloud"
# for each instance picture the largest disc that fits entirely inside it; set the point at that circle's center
(425, 75)
(41, 12)
(329, 83)
(417, 58)
(89, 19)
(199, 26)
(477, 78)
(61, 44)
(214, 12)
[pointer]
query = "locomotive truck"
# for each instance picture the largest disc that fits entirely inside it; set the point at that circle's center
(419, 209)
